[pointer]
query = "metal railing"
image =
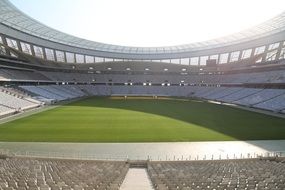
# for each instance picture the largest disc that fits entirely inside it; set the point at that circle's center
(112, 157)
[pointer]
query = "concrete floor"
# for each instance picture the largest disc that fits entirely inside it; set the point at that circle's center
(143, 151)
(136, 179)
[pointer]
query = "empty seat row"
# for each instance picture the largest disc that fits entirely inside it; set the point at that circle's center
(49, 174)
(219, 174)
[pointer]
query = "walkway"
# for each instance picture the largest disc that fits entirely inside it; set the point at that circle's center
(144, 151)
(137, 179)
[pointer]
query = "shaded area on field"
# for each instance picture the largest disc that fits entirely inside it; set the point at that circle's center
(139, 120)
(237, 123)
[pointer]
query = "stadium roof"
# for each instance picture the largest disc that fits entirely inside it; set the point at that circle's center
(14, 18)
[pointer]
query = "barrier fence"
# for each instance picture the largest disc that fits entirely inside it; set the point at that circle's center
(111, 157)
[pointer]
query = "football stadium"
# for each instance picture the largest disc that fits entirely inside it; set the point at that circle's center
(77, 114)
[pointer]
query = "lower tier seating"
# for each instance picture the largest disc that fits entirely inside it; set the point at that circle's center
(267, 99)
(55, 92)
(5, 110)
(11, 102)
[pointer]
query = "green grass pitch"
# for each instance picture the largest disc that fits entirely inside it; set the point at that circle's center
(142, 120)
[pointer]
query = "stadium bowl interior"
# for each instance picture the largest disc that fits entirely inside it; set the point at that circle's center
(79, 114)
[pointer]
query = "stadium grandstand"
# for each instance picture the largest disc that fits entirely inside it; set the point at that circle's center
(135, 108)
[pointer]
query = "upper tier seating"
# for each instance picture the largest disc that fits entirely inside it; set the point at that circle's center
(276, 76)
(12, 74)
(222, 174)
(49, 174)
(60, 174)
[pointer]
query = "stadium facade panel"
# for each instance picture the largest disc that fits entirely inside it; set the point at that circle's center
(264, 42)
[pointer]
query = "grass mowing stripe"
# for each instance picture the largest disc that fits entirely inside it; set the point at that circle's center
(141, 120)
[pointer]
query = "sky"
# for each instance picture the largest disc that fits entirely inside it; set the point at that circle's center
(150, 23)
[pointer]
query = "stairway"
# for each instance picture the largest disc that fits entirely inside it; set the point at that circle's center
(137, 179)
